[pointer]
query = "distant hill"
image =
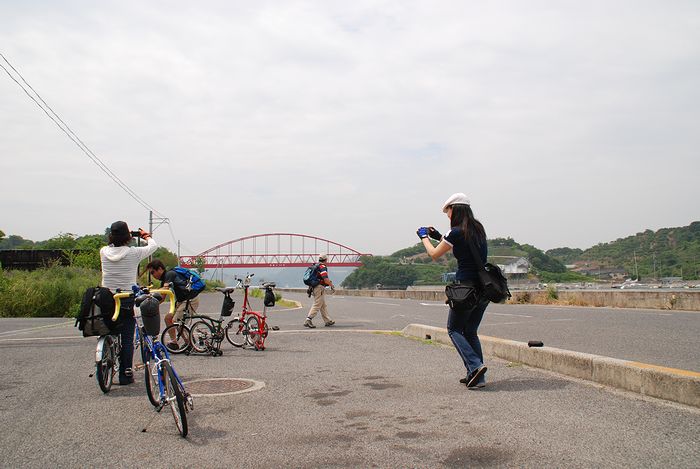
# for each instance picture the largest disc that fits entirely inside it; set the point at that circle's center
(668, 252)
(413, 266)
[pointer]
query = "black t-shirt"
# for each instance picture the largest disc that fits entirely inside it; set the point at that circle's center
(179, 285)
(467, 268)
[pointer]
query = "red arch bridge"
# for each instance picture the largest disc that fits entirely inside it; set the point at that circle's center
(274, 250)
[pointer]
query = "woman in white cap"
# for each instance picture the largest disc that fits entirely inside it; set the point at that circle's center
(462, 327)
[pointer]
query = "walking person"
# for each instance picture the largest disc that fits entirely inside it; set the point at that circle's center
(120, 264)
(462, 327)
(319, 293)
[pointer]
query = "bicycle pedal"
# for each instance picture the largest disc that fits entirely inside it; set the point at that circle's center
(139, 367)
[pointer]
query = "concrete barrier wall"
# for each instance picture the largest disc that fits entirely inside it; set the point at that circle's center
(665, 383)
(651, 299)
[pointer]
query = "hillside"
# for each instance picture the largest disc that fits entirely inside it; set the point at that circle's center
(668, 252)
(412, 266)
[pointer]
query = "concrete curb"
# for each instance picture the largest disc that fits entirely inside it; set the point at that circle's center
(671, 384)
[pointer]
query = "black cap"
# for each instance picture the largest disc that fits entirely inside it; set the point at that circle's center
(120, 228)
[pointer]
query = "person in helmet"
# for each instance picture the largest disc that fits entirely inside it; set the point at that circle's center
(319, 293)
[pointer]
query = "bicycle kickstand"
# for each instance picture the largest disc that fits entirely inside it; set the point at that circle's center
(156, 412)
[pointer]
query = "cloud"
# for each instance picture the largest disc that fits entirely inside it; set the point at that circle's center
(567, 124)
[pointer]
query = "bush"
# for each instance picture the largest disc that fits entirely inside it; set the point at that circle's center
(259, 293)
(552, 293)
(54, 291)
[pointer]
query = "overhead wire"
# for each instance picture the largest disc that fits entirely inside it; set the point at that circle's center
(74, 137)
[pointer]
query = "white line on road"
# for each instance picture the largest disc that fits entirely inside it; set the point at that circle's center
(432, 304)
(506, 314)
(48, 326)
(31, 339)
(380, 303)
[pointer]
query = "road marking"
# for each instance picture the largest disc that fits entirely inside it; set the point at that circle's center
(432, 304)
(516, 315)
(31, 339)
(677, 371)
(380, 303)
(48, 326)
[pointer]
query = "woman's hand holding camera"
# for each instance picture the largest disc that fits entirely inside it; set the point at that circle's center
(141, 234)
(433, 233)
(422, 232)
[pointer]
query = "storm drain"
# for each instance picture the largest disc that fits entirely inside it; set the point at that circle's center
(211, 387)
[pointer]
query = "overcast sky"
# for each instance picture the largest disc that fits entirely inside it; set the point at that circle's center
(567, 123)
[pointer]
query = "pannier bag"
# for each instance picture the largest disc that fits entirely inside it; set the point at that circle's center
(227, 306)
(462, 298)
(269, 300)
(150, 313)
(96, 310)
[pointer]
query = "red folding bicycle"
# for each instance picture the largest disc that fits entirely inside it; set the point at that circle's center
(252, 328)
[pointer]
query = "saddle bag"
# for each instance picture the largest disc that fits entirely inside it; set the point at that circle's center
(96, 310)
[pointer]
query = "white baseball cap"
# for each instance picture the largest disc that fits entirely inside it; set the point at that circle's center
(458, 198)
(323, 257)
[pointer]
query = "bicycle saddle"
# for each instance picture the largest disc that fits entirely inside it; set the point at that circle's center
(226, 289)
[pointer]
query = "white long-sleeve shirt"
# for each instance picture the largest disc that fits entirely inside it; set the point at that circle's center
(120, 264)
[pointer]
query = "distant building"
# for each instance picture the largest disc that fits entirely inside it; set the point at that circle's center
(517, 266)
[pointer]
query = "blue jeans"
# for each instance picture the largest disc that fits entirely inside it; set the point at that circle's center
(462, 327)
(126, 357)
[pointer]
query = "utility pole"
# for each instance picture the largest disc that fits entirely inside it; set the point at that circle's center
(636, 269)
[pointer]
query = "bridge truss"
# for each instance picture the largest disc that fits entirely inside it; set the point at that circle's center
(274, 250)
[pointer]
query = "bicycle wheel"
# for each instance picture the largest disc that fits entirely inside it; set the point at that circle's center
(255, 335)
(236, 332)
(201, 337)
(151, 379)
(175, 398)
(106, 365)
(181, 343)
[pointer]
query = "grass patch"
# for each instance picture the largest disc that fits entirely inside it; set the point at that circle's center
(54, 291)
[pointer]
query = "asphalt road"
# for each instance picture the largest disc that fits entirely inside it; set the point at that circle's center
(659, 337)
(333, 397)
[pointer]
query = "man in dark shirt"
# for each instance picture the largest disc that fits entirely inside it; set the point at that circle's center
(184, 299)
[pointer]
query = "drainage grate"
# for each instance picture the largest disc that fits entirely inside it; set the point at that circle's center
(222, 386)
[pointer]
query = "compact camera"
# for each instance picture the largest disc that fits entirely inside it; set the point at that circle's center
(136, 234)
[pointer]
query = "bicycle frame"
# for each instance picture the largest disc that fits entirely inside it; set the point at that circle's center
(157, 360)
(256, 339)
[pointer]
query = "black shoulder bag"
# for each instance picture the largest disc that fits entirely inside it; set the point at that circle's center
(462, 297)
(494, 283)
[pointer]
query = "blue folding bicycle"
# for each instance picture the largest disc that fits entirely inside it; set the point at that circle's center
(163, 385)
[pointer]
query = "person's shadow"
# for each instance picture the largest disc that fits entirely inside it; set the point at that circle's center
(524, 384)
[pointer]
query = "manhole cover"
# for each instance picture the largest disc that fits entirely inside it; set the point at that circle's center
(222, 386)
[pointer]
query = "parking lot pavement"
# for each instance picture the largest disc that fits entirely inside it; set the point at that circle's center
(332, 398)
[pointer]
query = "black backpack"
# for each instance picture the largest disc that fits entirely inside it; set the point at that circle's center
(493, 282)
(96, 310)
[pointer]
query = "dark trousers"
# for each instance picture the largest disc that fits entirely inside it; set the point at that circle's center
(462, 328)
(126, 358)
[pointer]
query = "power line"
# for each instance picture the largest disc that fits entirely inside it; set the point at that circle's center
(74, 137)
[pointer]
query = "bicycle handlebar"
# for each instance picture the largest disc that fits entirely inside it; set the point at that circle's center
(118, 300)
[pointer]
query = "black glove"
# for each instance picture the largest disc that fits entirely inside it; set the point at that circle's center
(309, 291)
(422, 232)
(433, 233)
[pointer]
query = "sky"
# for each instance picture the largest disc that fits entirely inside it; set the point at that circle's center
(566, 123)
